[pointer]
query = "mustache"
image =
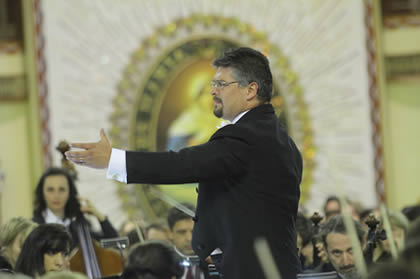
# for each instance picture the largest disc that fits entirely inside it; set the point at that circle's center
(347, 267)
(217, 99)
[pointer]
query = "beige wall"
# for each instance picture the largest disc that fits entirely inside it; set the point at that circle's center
(400, 118)
(20, 140)
(403, 143)
(16, 197)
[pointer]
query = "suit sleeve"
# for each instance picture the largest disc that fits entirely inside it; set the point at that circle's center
(219, 158)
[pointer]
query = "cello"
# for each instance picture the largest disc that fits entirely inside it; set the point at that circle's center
(89, 258)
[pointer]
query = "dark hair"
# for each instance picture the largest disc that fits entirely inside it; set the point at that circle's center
(249, 65)
(411, 212)
(46, 238)
(5, 266)
(154, 259)
(133, 236)
(336, 225)
(304, 228)
(72, 208)
(411, 250)
(134, 272)
(175, 215)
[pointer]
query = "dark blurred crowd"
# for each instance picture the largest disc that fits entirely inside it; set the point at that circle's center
(48, 245)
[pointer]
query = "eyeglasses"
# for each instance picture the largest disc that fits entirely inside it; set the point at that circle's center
(220, 84)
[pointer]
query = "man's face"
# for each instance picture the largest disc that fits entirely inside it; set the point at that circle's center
(340, 254)
(332, 208)
(230, 100)
(181, 236)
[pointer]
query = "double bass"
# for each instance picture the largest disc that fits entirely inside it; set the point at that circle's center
(91, 259)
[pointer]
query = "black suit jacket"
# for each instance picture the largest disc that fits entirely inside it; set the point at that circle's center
(249, 175)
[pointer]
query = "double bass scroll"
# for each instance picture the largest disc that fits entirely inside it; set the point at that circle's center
(316, 219)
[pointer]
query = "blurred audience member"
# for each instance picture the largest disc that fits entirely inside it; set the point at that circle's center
(156, 231)
(126, 227)
(304, 240)
(64, 275)
(12, 236)
(355, 209)
(153, 259)
(411, 252)
(13, 276)
(57, 202)
(180, 229)
(332, 207)
(45, 249)
(338, 246)
(399, 225)
(411, 212)
(394, 271)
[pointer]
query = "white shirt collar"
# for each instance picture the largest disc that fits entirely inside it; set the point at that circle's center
(50, 217)
(236, 119)
(239, 116)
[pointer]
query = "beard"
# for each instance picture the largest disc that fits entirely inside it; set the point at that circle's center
(350, 275)
(218, 108)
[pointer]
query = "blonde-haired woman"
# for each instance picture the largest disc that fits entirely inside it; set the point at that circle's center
(12, 236)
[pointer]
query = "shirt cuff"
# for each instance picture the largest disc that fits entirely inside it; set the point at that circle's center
(116, 167)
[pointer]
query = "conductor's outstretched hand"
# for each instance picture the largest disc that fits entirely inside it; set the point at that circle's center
(95, 155)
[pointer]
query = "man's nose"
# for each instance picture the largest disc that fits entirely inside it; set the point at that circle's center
(348, 259)
(189, 236)
(213, 91)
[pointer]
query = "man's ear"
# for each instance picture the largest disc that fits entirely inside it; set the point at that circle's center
(252, 91)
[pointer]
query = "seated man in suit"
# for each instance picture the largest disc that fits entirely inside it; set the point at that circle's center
(181, 228)
(180, 233)
(249, 172)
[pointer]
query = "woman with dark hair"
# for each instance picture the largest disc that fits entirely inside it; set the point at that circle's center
(57, 201)
(45, 249)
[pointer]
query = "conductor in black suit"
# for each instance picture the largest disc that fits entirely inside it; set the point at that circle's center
(249, 171)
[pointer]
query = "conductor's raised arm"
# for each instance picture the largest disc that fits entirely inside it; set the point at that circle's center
(95, 155)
